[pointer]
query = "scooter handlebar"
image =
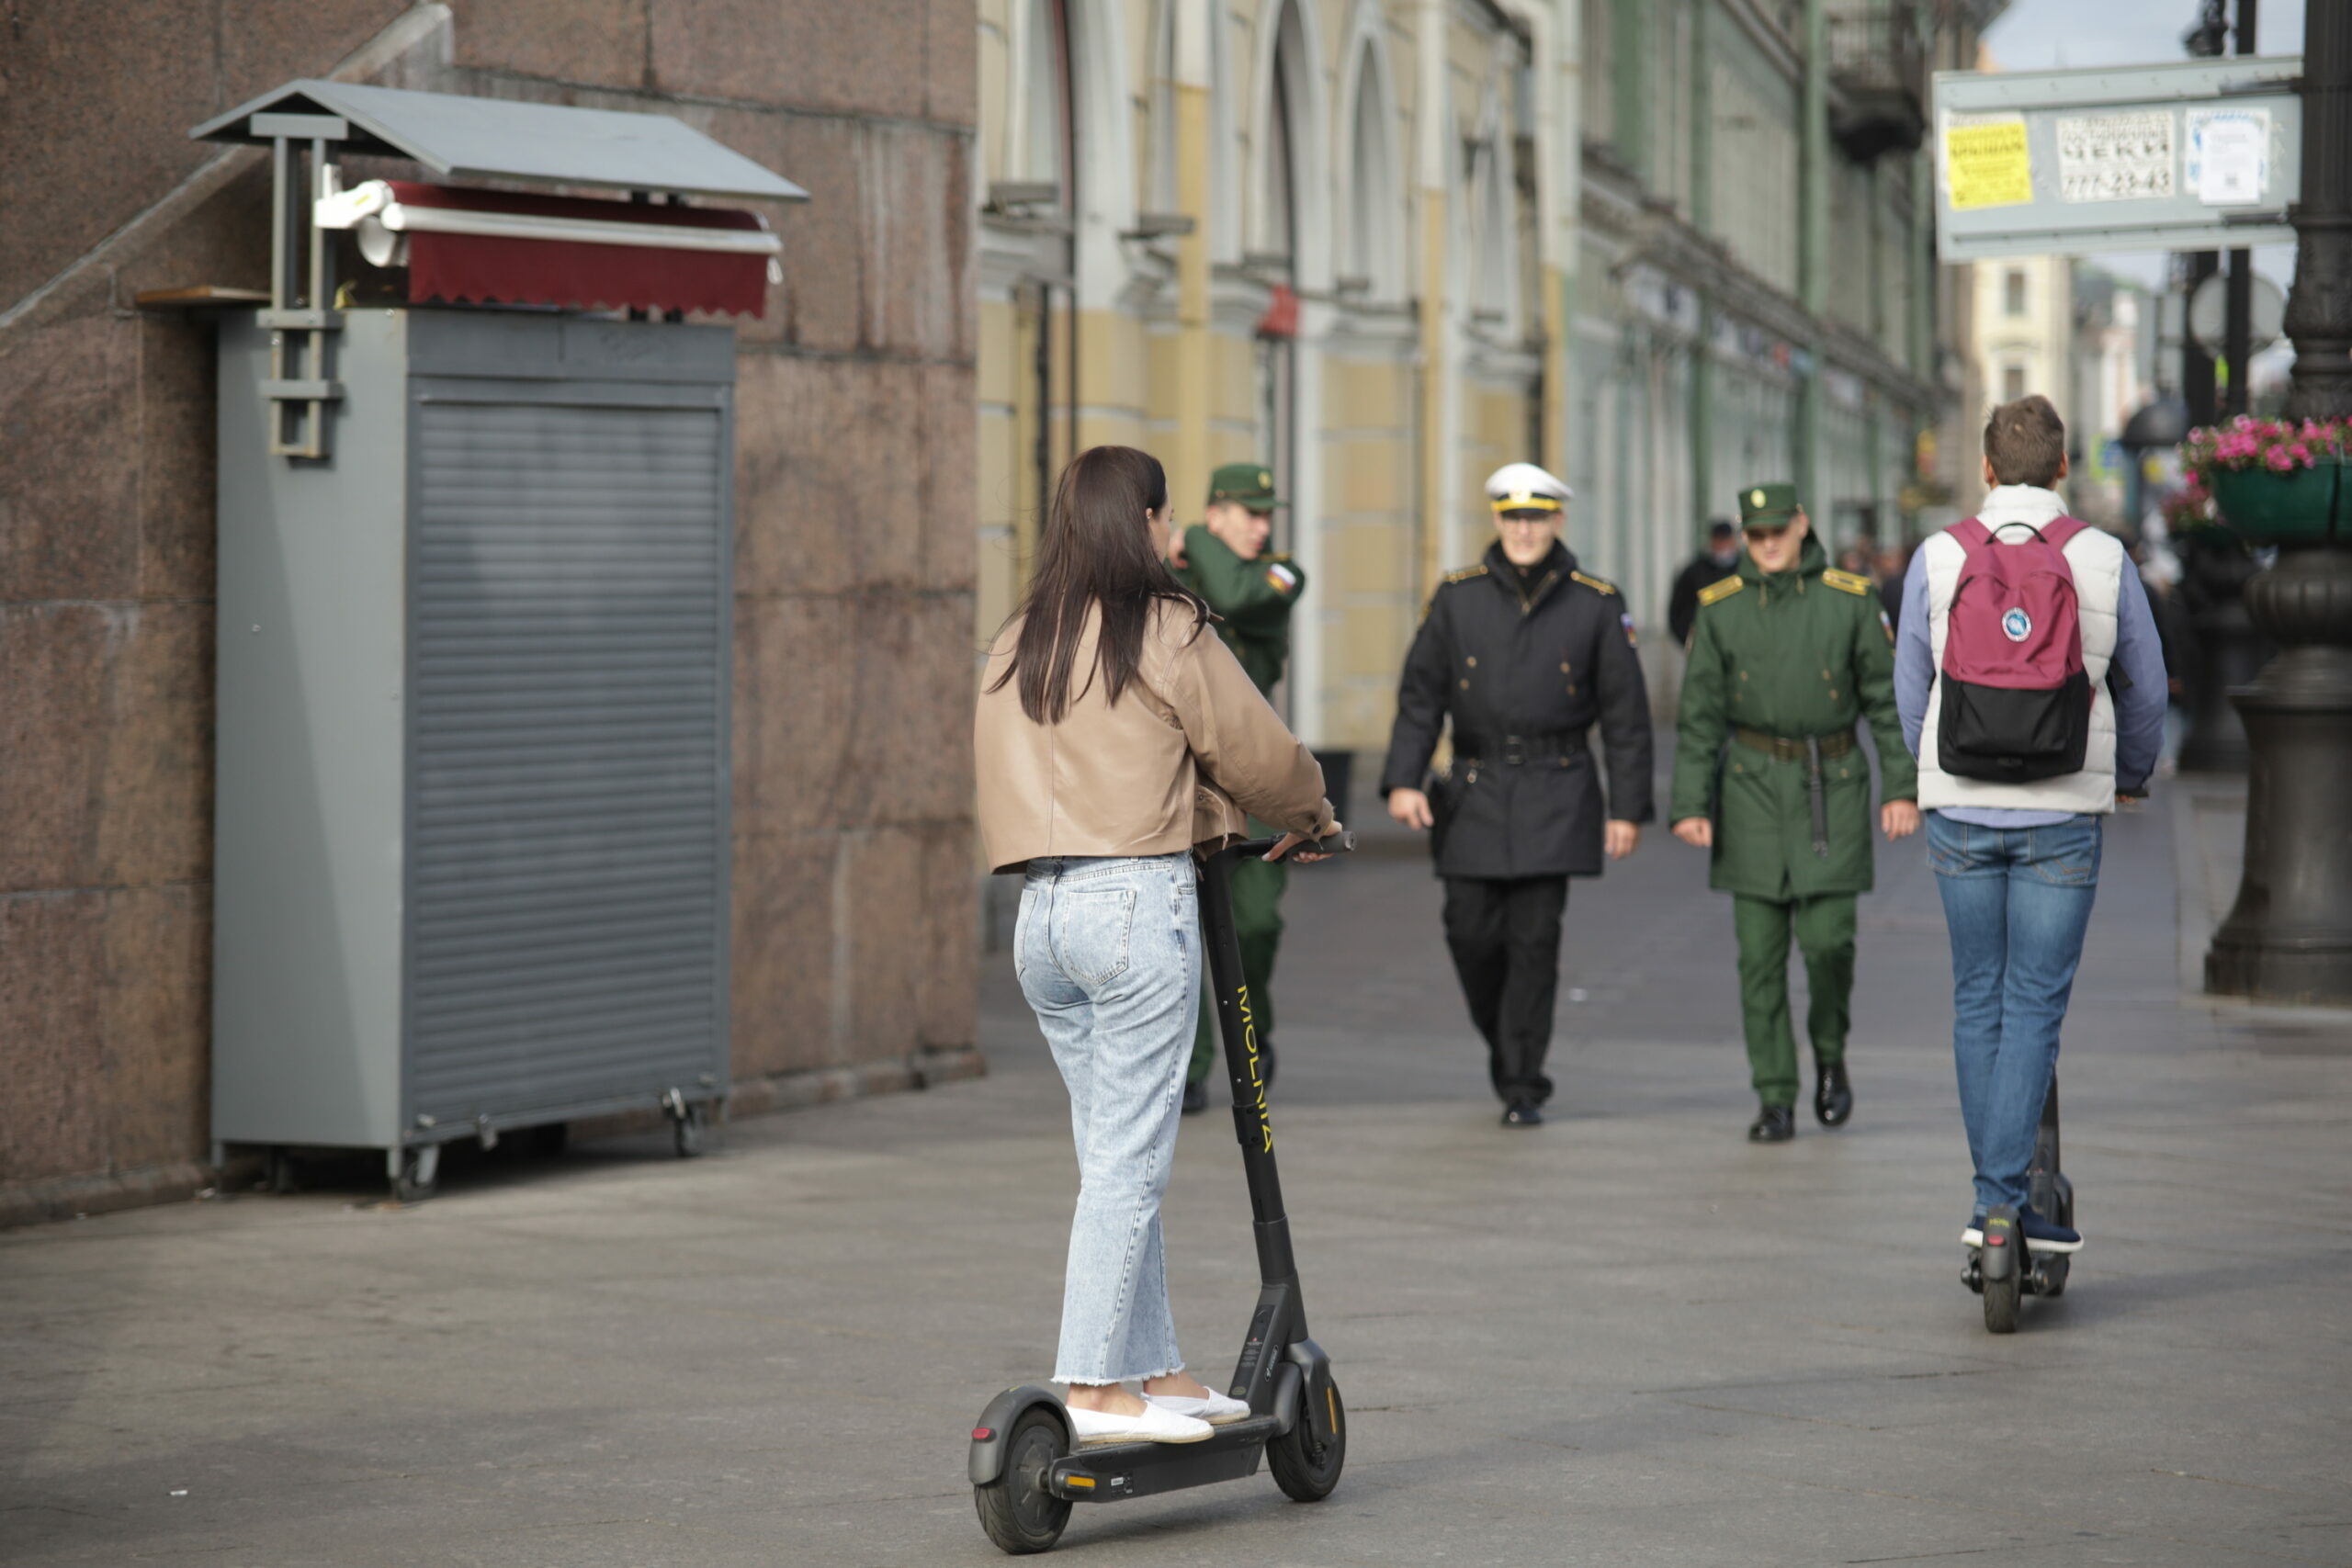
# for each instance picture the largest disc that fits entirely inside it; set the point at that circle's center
(1339, 843)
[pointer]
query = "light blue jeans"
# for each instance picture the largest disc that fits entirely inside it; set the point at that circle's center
(1108, 955)
(2017, 901)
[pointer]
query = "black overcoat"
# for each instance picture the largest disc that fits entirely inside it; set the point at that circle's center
(1543, 658)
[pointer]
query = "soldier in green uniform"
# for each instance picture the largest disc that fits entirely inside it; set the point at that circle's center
(1786, 654)
(1224, 559)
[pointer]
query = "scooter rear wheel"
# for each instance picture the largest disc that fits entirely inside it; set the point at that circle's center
(1019, 1514)
(1305, 1473)
(2001, 1299)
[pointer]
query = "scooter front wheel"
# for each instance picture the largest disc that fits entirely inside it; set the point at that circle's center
(1305, 1472)
(1016, 1509)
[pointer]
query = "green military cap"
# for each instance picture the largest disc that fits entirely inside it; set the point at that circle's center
(1768, 506)
(1244, 484)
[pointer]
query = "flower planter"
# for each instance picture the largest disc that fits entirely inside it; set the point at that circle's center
(2302, 506)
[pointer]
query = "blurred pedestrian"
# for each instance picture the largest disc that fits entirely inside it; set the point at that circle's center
(1523, 653)
(1224, 558)
(1708, 567)
(1787, 654)
(1855, 558)
(1111, 737)
(1888, 570)
(2016, 848)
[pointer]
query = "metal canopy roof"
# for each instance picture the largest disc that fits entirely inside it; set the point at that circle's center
(497, 138)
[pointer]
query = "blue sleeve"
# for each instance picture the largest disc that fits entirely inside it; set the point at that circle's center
(2139, 706)
(1915, 652)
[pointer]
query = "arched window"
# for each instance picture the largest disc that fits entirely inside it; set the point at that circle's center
(1042, 113)
(1372, 252)
(1489, 228)
(1276, 231)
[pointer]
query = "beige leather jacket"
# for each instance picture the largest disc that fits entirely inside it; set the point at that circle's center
(1189, 750)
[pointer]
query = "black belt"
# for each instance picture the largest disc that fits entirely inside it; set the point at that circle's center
(1516, 751)
(1811, 750)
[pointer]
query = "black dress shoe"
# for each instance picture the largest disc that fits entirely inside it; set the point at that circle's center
(1196, 1097)
(1524, 1113)
(1773, 1125)
(1833, 1097)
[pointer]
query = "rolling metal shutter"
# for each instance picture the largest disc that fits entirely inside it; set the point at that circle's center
(567, 873)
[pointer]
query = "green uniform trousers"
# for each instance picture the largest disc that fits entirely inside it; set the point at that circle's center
(1258, 923)
(1823, 927)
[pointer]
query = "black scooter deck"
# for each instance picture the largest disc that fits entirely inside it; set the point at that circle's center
(1114, 1472)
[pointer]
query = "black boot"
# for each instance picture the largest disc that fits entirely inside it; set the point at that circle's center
(1773, 1125)
(1833, 1097)
(1523, 1113)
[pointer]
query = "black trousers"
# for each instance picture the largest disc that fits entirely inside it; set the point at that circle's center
(1504, 936)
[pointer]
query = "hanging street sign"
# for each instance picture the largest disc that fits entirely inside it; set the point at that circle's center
(2187, 155)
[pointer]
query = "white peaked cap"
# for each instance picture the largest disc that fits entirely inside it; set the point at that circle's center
(1526, 480)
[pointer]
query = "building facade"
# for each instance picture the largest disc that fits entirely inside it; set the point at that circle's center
(852, 942)
(1665, 247)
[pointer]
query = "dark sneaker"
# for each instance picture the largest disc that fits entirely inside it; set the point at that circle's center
(1773, 1125)
(1196, 1097)
(1833, 1097)
(2047, 1235)
(1524, 1113)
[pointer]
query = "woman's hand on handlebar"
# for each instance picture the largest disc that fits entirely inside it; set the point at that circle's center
(1411, 807)
(1284, 849)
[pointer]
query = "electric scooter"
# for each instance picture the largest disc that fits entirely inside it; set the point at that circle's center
(1025, 1469)
(2003, 1271)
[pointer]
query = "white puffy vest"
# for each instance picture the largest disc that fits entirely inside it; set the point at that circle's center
(2098, 563)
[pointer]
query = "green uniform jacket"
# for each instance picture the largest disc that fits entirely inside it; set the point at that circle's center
(1800, 654)
(1252, 599)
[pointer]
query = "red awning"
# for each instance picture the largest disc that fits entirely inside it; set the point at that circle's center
(514, 269)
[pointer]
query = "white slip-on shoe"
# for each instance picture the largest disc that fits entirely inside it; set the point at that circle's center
(1156, 1425)
(1218, 1409)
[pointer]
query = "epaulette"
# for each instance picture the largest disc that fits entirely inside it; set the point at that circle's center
(1849, 582)
(1465, 574)
(1716, 592)
(1596, 584)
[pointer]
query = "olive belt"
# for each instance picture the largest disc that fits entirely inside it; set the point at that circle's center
(1785, 749)
(1810, 750)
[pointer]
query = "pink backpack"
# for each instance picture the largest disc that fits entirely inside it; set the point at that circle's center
(2016, 703)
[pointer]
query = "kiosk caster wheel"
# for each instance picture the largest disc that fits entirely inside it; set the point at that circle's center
(1019, 1514)
(689, 1122)
(420, 1174)
(1305, 1472)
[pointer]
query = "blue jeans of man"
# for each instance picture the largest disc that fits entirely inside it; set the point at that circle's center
(1108, 951)
(2017, 901)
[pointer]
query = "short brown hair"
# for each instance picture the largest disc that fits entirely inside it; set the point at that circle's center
(2026, 442)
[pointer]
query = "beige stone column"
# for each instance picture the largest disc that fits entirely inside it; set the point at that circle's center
(1193, 367)
(1433, 138)
(1555, 32)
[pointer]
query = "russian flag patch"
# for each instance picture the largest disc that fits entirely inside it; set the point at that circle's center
(1283, 579)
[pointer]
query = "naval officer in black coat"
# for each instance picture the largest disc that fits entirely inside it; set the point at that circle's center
(1524, 654)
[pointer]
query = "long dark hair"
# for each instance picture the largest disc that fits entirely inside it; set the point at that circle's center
(1097, 550)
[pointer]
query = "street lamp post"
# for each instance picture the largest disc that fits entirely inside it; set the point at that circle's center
(2289, 938)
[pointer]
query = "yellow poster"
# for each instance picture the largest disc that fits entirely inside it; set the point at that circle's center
(1986, 165)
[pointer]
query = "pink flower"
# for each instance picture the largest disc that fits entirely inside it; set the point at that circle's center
(2277, 459)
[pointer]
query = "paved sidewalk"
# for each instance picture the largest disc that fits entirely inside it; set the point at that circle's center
(1629, 1337)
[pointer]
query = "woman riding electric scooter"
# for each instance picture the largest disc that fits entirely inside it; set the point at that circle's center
(1114, 734)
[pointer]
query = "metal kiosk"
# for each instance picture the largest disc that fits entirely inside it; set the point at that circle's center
(476, 522)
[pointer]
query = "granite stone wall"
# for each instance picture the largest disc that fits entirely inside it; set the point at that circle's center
(854, 928)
